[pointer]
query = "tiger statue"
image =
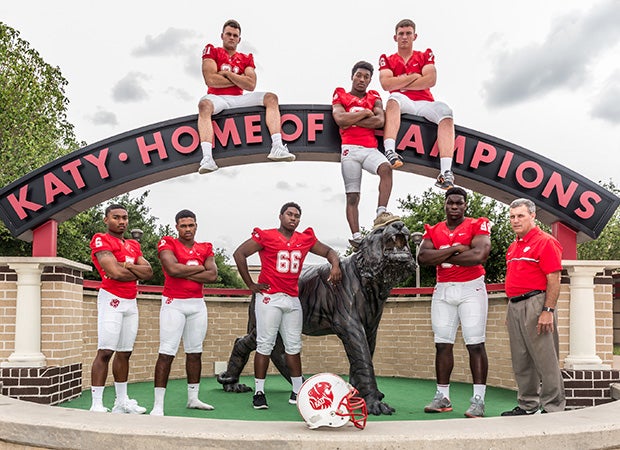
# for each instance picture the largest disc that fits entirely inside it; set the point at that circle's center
(351, 310)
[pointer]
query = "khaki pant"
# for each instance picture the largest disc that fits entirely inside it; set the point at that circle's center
(535, 357)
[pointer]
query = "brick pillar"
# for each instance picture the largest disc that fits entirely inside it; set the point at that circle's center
(46, 363)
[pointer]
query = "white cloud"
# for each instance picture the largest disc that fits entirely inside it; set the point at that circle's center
(130, 88)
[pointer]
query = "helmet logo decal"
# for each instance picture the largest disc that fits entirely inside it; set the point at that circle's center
(321, 395)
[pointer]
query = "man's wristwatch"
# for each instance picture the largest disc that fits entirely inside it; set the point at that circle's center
(548, 308)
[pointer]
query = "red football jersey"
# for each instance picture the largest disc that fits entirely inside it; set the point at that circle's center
(196, 256)
(530, 260)
(236, 63)
(398, 66)
(124, 250)
(282, 259)
(357, 135)
(443, 237)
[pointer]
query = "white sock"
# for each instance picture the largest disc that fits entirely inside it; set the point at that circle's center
(207, 149)
(297, 382)
(121, 390)
(389, 144)
(480, 389)
(192, 391)
(444, 389)
(96, 393)
(445, 164)
(160, 393)
(357, 234)
(276, 139)
(381, 209)
(259, 385)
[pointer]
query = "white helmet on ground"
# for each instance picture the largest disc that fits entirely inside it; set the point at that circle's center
(326, 400)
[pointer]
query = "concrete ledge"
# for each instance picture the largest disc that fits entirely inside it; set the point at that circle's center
(31, 424)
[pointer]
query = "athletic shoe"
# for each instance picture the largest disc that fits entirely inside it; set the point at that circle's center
(518, 411)
(394, 158)
(383, 219)
(439, 404)
(280, 153)
(445, 180)
(197, 404)
(207, 165)
(99, 408)
(356, 242)
(156, 412)
(259, 401)
(127, 406)
(293, 399)
(476, 409)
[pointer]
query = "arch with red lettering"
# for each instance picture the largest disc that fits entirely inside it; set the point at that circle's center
(161, 151)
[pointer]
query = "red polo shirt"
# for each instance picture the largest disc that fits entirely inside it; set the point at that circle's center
(529, 260)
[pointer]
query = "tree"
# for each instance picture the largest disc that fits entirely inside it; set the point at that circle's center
(33, 122)
(607, 245)
(429, 209)
(33, 118)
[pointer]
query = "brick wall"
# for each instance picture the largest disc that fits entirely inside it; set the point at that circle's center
(616, 307)
(8, 298)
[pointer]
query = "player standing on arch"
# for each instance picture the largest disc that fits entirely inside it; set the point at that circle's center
(282, 252)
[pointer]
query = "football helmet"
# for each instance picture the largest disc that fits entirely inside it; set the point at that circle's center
(326, 400)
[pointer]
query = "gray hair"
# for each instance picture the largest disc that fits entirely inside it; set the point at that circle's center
(531, 207)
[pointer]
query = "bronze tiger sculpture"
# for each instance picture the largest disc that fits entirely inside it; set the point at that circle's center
(351, 310)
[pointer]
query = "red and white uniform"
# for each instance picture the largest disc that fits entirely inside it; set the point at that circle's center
(398, 66)
(282, 259)
(529, 260)
(443, 237)
(124, 250)
(237, 63)
(351, 103)
(196, 256)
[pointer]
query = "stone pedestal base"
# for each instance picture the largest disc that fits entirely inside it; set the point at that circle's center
(46, 385)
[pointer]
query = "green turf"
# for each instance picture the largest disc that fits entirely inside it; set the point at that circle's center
(407, 396)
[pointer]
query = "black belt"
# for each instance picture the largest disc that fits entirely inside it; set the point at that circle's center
(525, 296)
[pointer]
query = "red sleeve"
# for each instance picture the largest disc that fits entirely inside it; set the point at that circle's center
(337, 97)
(249, 62)
(481, 226)
(208, 52)
(550, 256)
(99, 243)
(165, 243)
(136, 246)
(384, 62)
(258, 236)
(208, 250)
(309, 236)
(429, 57)
(428, 232)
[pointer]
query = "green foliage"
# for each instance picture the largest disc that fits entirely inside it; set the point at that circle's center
(607, 245)
(429, 209)
(226, 275)
(33, 124)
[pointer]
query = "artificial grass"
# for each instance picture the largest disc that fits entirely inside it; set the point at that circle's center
(407, 396)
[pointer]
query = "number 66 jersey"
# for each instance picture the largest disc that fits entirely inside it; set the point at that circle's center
(282, 259)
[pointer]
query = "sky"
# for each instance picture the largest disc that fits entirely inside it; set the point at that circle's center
(542, 75)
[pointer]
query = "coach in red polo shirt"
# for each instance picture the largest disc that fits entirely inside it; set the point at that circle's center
(534, 264)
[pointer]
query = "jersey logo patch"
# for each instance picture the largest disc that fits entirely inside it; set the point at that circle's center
(266, 300)
(114, 303)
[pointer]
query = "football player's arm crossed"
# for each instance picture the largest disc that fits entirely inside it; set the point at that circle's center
(431, 256)
(477, 253)
(346, 119)
(212, 77)
(246, 80)
(123, 271)
(240, 256)
(201, 274)
(335, 275)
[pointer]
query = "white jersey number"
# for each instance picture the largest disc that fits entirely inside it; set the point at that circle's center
(288, 261)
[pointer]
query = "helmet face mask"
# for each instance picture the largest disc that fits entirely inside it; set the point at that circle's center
(325, 399)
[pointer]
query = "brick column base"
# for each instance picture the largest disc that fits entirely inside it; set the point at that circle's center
(45, 385)
(588, 387)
